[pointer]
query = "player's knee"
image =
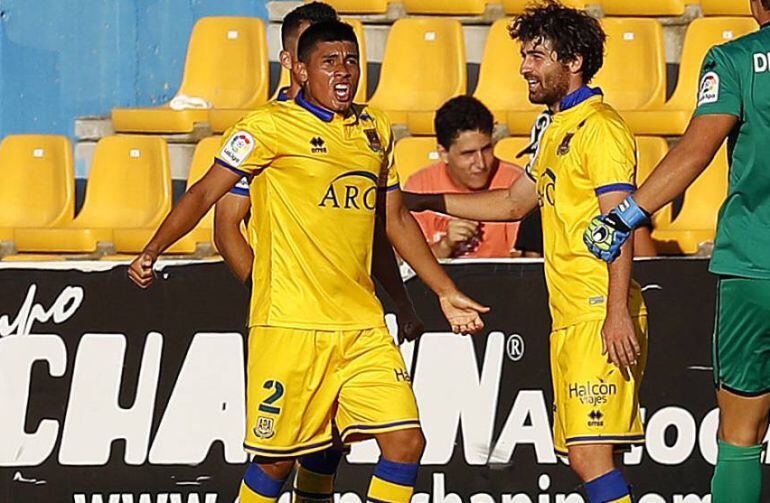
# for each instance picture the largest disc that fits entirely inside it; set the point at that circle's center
(580, 462)
(404, 446)
(743, 433)
(278, 470)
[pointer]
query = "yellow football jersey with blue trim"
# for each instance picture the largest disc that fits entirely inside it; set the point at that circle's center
(313, 197)
(586, 151)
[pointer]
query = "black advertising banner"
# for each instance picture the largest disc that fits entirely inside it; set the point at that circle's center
(110, 394)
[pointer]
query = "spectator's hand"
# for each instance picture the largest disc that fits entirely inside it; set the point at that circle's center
(619, 341)
(462, 312)
(460, 231)
(410, 326)
(140, 271)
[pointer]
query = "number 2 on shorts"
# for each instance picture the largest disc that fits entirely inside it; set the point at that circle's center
(267, 404)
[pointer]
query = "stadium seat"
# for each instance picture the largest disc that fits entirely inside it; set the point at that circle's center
(725, 7)
(226, 65)
(423, 66)
(501, 87)
(650, 151)
(645, 8)
(518, 6)
(453, 8)
(414, 153)
(129, 186)
(222, 118)
(38, 183)
(696, 222)
(358, 6)
(672, 118)
(508, 150)
(200, 239)
(634, 73)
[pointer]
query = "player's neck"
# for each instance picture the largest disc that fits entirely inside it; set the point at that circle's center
(293, 90)
(573, 86)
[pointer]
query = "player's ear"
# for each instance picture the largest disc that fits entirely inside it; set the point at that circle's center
(284, 57)
(443, 153)
(576, 64)
(300, 72)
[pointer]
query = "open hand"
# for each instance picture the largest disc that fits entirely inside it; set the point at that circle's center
(462, 312)
(140, 271)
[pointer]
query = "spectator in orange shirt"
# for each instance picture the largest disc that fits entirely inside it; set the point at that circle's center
(464, 134)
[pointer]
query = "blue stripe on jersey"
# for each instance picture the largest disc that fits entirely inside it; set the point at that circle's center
(237, 171)
(626, 187)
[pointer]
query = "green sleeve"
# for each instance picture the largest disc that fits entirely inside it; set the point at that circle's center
(719, 91)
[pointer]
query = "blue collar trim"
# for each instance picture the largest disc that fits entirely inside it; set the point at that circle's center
(575, 98)
(283, 94)
(322, 113)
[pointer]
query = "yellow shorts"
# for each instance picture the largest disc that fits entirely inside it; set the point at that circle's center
(301, 381)
(594, 403)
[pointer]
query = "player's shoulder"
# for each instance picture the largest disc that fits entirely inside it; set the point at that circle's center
(603, 118)
(260, 116)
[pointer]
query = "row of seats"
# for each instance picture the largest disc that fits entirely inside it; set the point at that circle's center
(609, 7)
(129, 192)
(227, 66)
(684, 232)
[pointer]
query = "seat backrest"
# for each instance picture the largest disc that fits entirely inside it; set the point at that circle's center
(643, 8)
(360, 96)
(455, 7)
(358, 6)
(129, 185)
(702, 34)
(634, 73)
(508, 149)
(650, 150)
(414, 153)
(501, 87)
(203, 158)
(725, 7)
(227, 62)
(423, 65)
(37, 181)
(518, 6)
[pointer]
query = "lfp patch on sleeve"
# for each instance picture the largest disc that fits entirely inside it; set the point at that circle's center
(237, 149)
(709, 89)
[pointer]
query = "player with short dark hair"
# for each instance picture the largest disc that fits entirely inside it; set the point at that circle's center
(733, 104)
(583, 160)
(319, 348)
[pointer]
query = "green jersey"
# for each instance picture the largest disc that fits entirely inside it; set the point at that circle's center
(735, 80)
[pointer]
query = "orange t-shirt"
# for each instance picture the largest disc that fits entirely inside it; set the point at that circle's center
(496, 239)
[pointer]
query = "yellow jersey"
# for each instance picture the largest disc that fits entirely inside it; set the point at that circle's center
(313, 197)
(586, 151)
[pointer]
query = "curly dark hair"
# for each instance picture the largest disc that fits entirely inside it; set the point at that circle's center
(462, 113)
(313, 13)
(572, 33)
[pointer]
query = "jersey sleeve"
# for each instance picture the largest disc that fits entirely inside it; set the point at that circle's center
(609, 155)
(389, 176)
(249, 146)
(719, 90)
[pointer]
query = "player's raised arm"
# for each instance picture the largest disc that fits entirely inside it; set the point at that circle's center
(501, 205)
(404, 232)
(185, 215)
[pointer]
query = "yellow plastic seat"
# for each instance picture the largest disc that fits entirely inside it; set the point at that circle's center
(358, 6)
(423, 66)
(134, 240)
(634, 73)
(672, 118)
(37, 182)
(501, 87)
(454, 8)
(644, 8)
(226, 65)
(518, 6)
(650, 151)
(221, 119)
(413, 153)
(508, 150)
(725, 7)
(129, 186)
(696, 222)
(33, 257)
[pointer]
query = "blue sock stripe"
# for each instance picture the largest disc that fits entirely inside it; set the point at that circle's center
(324, 462)
(608, 487)
(403, 474)
(261, 483)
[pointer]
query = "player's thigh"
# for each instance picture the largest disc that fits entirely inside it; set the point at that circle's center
(376, 395)
(742, 336)
(600, 401)
(559, 387)
(742, 420)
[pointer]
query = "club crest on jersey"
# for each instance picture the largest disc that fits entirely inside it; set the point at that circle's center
(709, 89)
(564, 147)
(317, 145)
(265, 427)
(237, 149)
(374, 140)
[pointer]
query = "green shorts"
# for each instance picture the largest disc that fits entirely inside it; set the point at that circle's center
(742, 336)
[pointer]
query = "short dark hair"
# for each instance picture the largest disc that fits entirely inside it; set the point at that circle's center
(314, 12)
(572, 33)
(766, 4)
(325, 31)
(460, 114)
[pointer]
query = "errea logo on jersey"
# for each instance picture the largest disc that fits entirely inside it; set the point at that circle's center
(761, 62)
(317, 145)
(354, 190)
